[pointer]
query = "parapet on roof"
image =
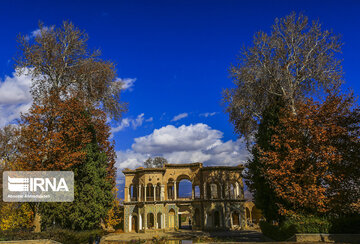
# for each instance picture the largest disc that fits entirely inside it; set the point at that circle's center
(190, 165)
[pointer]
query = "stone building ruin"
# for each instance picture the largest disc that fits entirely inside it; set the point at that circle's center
(152, 200)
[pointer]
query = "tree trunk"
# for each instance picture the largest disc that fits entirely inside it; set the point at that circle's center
(37, 223)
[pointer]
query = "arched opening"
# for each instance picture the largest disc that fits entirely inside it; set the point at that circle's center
(248, 216)
(216, 218)
(255, 215)
(158, 192)
(159, 220)
(149, 192)
(172, 218)
(150, 221)
(214, 191)
(235, 218)
(185, 189)
(170, 189)
(133, 193)
(134, 223)
(197, 217)
(184, 217)
(197, 191)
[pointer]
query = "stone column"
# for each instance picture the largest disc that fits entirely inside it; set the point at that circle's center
(237, 190)
(175, 194)
(162, 193)
(139, 195)
(145, 220)
(193, 192)
(164, 222)
(145, 194)
(154, 192)
(140, 221)
(127, 199)
(130, 225)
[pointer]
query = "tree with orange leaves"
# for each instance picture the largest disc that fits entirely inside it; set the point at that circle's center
(67, 135)
(54, 135)
(313, 164)
(66, 129)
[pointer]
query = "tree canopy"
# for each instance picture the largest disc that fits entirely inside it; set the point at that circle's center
(296, 59)
(59, 62)
(156, 162)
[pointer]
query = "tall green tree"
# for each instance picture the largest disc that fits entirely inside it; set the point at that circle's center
(93, 195)
(261, 189)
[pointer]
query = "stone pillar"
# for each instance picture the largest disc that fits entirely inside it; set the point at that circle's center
(193, 193)
(164, 219)
(126, 194)
(162, 193)
(237, 190)
(145, 193)
(154, 192)
(140, 221)
(175, 193)
(145, 221)
(139, 195)
(155, 222)
(130, 223)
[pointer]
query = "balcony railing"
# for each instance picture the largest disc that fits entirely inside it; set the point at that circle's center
(149, 199)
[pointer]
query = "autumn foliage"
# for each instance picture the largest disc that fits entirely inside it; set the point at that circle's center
(313, 162)
(55, 135)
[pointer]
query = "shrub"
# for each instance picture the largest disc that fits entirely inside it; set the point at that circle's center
(307, 224)
(346, 225)
(294, 225)
(60, 235)
(275, 232)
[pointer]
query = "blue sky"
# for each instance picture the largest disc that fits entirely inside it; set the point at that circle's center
(175, 56)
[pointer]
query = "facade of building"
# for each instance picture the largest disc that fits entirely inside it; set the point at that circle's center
(152, 200)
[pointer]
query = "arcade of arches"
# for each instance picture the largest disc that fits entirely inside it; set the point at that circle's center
(214, 200)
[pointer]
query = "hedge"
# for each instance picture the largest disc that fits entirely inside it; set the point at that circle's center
(60, 235)
(311, 224)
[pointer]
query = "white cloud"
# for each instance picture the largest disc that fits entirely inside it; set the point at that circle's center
(133, 123)
(180, 116)
(37, 32)
(184, 144)
(127, 83)
(208, 114)
(15, 97)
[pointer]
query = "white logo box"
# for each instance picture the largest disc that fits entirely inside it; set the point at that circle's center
(38, 186)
